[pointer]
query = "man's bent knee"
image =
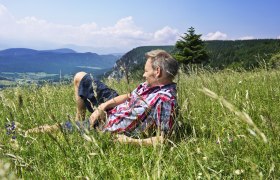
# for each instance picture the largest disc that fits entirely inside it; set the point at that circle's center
(78, 77)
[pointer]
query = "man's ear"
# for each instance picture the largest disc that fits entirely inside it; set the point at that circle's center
(158, 72)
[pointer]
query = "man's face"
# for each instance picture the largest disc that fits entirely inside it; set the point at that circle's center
(150, 73)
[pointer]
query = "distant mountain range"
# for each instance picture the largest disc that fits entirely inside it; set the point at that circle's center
(247, 54)
(66, 61)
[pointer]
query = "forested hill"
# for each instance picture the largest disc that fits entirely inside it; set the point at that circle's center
(247, 54)
(223, 54)
(133, 59)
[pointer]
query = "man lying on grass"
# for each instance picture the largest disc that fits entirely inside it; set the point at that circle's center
(135, 117)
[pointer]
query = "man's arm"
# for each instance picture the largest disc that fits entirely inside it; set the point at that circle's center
(148, 141)
(114, 102)
(99, 112)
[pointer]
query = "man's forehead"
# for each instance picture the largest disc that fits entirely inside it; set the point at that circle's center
(148, 62)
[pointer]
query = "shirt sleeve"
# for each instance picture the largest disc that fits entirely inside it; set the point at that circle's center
(164, 115)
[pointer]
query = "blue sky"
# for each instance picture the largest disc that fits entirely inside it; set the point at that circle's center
(111, 26)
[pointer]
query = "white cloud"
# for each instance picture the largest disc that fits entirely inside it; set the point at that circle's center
(3, 10)
(278, 37)
(166, 35)
(89, 27)
(123, 34)
(7, 21)
(246, 38)
(215, 36)
(124, 28)
(125, 23)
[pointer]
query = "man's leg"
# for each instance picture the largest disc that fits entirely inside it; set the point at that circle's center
(80, 104)
(80, 113)
(66, 126)
(43, 129)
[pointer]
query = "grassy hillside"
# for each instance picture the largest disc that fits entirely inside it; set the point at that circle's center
(214, 138)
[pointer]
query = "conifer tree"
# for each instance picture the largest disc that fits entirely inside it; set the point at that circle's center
(191, 49)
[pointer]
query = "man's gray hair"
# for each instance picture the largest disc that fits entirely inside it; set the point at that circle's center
(164, 61)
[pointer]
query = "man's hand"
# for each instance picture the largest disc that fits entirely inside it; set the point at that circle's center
(97, 115)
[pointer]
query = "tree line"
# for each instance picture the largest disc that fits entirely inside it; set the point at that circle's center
(246, 54)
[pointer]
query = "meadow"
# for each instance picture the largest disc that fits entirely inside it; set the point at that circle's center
(227, 128)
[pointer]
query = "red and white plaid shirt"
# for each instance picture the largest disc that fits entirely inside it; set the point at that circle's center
(147, 108)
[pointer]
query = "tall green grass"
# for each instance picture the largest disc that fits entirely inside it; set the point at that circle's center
(211, 141)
